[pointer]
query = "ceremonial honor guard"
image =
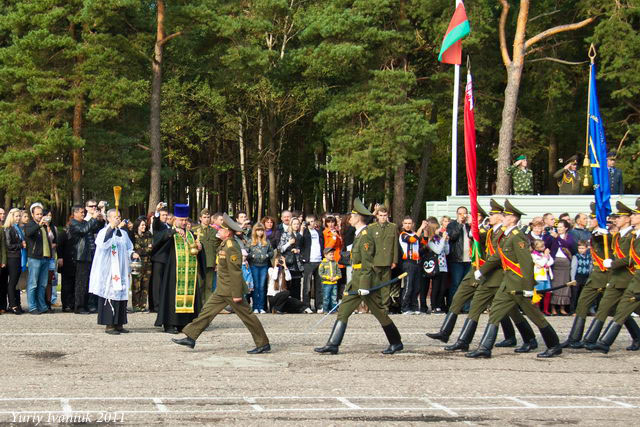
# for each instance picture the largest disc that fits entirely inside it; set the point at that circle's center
(514, 254)
(569, 179)
(469, 284)
(177, 249)
(230, 290)
(486, 291)
(619, 279)
(362, 260)
(385, 236)
(595, 285)
(630, 301)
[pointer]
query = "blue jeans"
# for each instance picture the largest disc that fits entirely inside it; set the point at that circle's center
(37, 283)
(457, 270)
(259, 274)
(329, 297)
(54, 282)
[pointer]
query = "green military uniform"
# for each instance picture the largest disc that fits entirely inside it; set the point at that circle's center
(206, 235)
(630, 302)
(140, 282)
(569, 183)
(522, 178)
(385, 237)
(230, 285)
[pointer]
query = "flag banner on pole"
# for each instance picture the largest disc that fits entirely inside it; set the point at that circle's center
(470, 155)
(598, 155)
(451, 50)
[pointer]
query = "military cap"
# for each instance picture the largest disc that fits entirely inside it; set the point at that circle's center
(482, 212)
(622, 209)
(571, 159)
(637, 209)
(495, 207)
(229, 223)
(509, 209)
(359, 208)
(592, 206)
(521, 157)
(204, 211)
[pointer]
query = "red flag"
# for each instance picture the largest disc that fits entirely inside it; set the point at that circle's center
(470, 154)
(451, 50)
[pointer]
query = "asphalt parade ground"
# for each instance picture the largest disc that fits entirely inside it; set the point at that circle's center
(62, 369)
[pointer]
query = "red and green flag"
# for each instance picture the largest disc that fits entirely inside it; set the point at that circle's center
(451, 50)
(470, 155)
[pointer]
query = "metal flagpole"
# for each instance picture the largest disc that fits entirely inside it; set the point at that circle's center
(454, 128)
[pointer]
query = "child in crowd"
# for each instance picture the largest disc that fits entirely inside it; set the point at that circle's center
(581, 265)
(329, 272)
(542, 262)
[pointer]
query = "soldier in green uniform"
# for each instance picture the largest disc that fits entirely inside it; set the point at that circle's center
(206, 235)
(140, 282)
(569, 178)
(486, 291)
(596, 283)
(230, 290)
(468, 286)
(630, 301)
(363, 253)
(385, 235)
(521, 176)
(514, 255)
(619, 278)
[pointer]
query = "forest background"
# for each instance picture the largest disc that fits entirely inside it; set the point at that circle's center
(270, 104)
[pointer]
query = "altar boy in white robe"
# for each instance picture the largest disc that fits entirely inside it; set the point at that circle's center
(109, 279)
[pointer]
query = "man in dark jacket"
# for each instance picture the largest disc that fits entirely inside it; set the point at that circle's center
(459, 259)
(82, 237)
(311, 256)
(615, 174)
(39, 252)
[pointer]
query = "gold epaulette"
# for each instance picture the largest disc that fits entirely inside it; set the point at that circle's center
(229, 244)
(364, 232)
(515, 231)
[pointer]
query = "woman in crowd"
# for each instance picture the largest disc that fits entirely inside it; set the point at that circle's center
(16, 245)
(280, 300)
(259, 256)
(142, 244)
(289, 247)
(67, 268)
(269, 225)
(438, 243)
(537, 230)
(560, 242)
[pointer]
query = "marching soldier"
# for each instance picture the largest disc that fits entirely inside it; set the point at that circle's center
(514, 255)
(363, 255)
(619, 279)
(486, 291)
(595, 285)
(630, 301)
(569, 179)
(468, 285)
(230, 290)
(385, 235)
(521, 176)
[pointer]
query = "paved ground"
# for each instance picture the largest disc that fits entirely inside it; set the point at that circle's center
(63, 367)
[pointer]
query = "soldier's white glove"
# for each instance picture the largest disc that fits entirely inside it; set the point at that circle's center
(477, 274)
(602, 231)
(607, 263)
(363, 292)
(527, 294)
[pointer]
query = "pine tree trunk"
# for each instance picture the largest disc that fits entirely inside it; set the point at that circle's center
(552, 164)
(243, 170)
(76, 153)
(259, 171)
(514, 75)
(399, 194)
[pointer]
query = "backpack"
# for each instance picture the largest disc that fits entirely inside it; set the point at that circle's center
(430, 264)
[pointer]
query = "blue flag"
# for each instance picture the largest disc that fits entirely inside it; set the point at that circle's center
(598, 155)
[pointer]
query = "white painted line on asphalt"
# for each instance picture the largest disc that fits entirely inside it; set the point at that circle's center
(348, 403)
(523, 402)
(440, 407)
(254, 405)
(66, 407)
(622, 404)
(161, 407)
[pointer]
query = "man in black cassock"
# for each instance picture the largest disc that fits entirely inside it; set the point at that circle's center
(164, 251)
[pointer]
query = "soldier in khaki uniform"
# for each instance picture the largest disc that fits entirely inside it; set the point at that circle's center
(514, 255)
(230, 291)
(385, 235)
(485, 293)
(362, 261)
(569, 178)
(630, 301)
(620, 277)
(206, 235)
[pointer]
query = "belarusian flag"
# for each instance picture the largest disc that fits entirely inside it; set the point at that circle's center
(470, 154)
(451, 51)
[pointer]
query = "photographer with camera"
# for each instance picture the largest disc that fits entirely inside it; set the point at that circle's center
(39, 252)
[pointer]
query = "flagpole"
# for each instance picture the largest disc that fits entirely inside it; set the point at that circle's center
(454, 126)
(586, 163)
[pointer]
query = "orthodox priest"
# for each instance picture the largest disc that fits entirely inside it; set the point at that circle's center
(179, 251)
(109, 278)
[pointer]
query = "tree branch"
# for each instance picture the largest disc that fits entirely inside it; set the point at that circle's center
(543, 14)
(561, 61)
(503, 38)
(555, 30)
(521, 32)
(166, 39)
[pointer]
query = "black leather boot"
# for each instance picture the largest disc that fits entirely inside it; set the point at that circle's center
(259, 350)
(446, 328)
(395, 340)
(466, 336)
(189, 342)
(608, 337)
(592, 334)
(575, 336)
(634, 331)
(552, 342)
(529, 341)
(486, 343)
(509, 334)
(334, 339)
